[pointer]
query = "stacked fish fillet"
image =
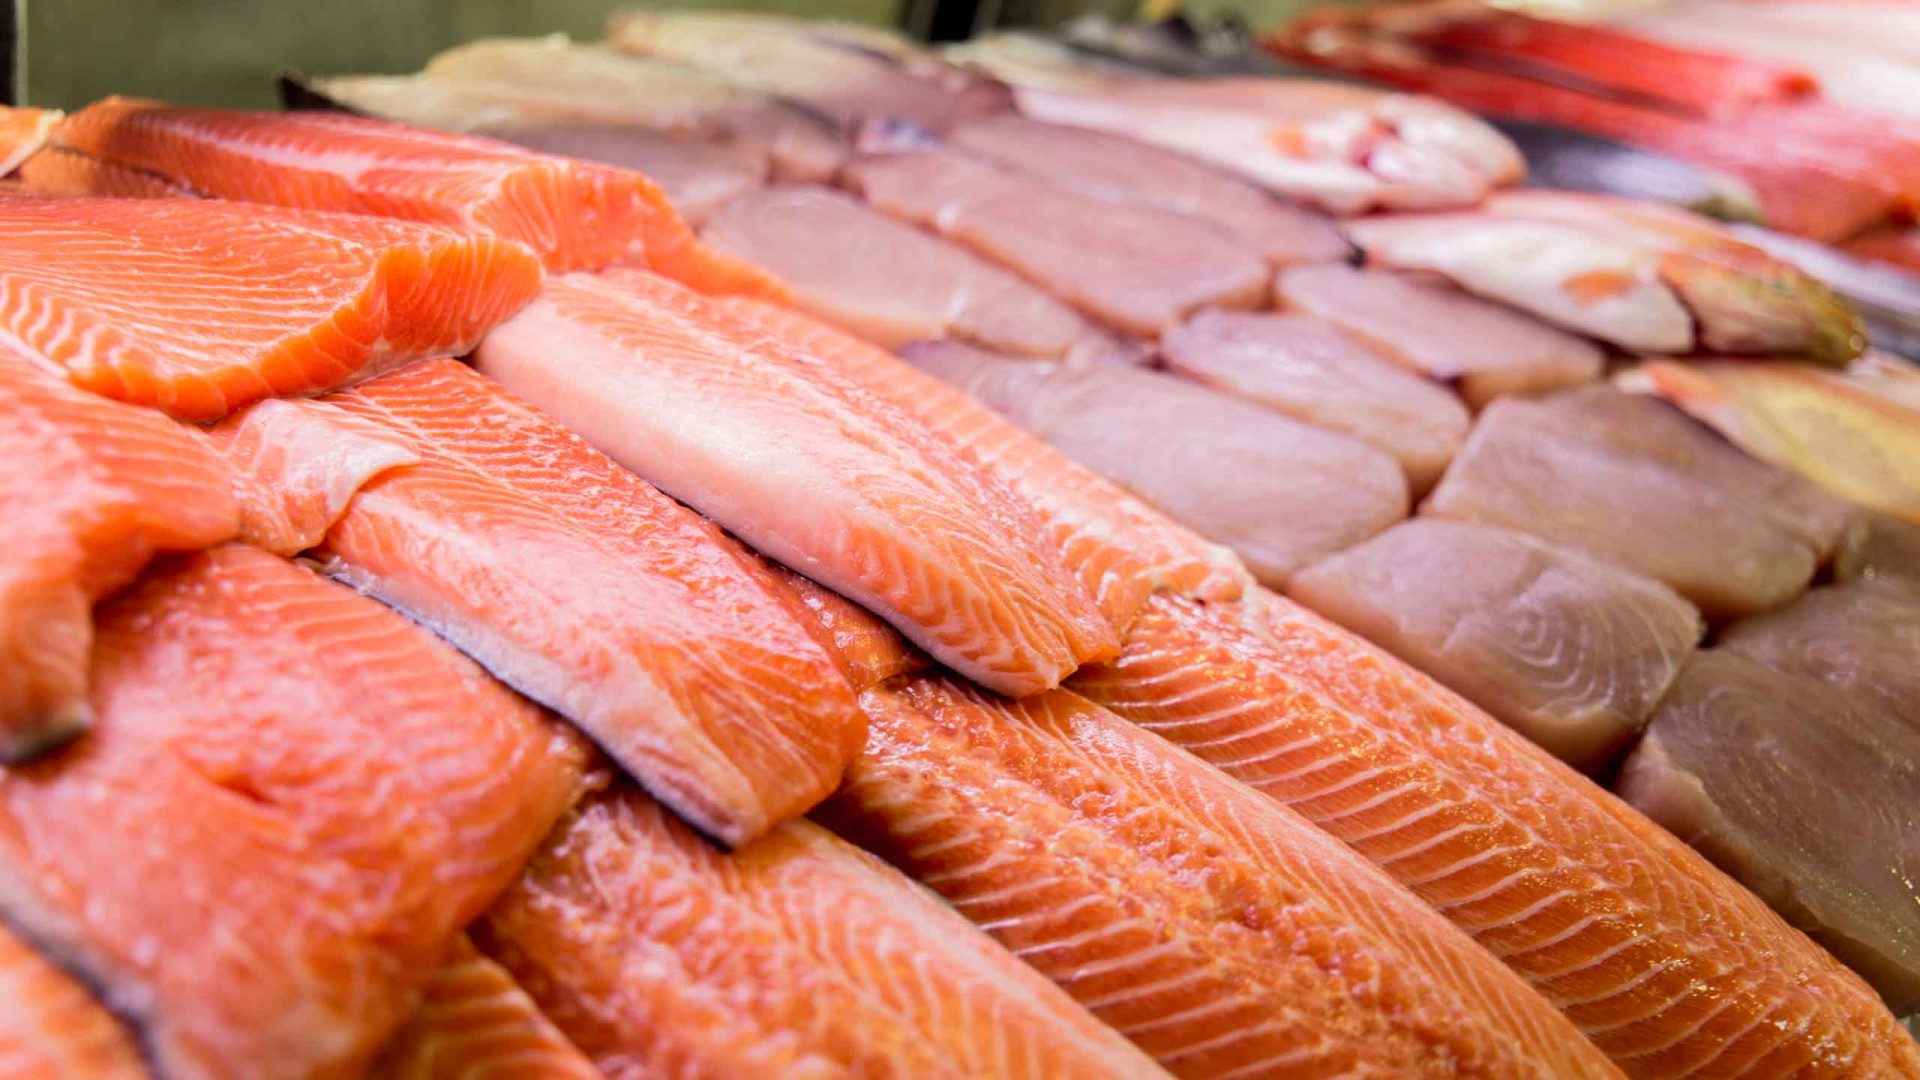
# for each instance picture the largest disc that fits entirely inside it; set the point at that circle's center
(473, 709)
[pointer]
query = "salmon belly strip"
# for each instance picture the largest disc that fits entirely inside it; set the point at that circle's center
(577, 215)
(828, 480)
(56, 170)
(291, 803)
(568, 577)
(1661, 960)
(23, 132)
(1220, 931)
(51, 1025)
(796, 956)
(1121, 549)
(198, 308)
(92, 489)
(475, 1022)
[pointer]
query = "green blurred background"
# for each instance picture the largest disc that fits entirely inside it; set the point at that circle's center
(226, 52)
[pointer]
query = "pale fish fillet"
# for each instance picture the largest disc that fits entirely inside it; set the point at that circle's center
(833, 483)
(1665, 963)
(475, 1023)
(237, 303)
(92, 490)
(1221, 932)
(1862, 638)
(885, 280)
(1878, 547)
(1571, 652)
(291, 803)
(575, 215)
(1139, 269)
(1120, 548)
(698, 175)
(570, 579)
(1310, 369)
(1807, 797)
(797, 956)
(1822, 425)
(52, 1027)
(1593, 282)
(1487, 351)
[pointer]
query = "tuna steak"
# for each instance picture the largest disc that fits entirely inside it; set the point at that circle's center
(1861, 638)
(1570, 652)
(1878, 547)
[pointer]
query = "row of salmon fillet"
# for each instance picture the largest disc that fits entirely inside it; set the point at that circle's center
(261, 824)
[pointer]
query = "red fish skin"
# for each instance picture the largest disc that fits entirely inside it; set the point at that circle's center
(292, 801)
(1658, 957)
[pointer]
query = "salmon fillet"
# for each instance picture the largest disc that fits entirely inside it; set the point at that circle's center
(1221, 932)
(51, 1026)
(830, 481)
(475, 1023)
(1660, 959)
(93, 489)
(198, 308)
(576, 215)
(292, 801)
(22, 133)
(57, 170)
(797, 956)
(569, 578)
(1121, 549)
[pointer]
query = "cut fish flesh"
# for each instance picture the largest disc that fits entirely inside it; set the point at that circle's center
(1732, 763)
(575, 215)
(696, 175)
(1665, 964)
(475, 1022)
(57, 170)
(735, 423)
(292, 801)
(1861, 638)
(1139, 269)
(23, 132)
(1279, 493)
(867, 650)
(1878, 547)
(236, 303)
(1570, 652)
(818, 64)
(1837, 430)
(1121, 549)
(1530, 467)
(799, 955)
(887, 281)
(1488, 350)
(1221, 932)
(1741, 299)
(51, 1026)
(1583, 280)
(1312, 370)
(1123, 170)
(93, 489)
(570, 579)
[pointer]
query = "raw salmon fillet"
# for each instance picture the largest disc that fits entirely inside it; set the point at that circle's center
(1220, 931)
(797, 956)
(57, 170)
(575, 215)
(92, 489)
(1660, 959)
(803, 466)
(569, 578)
(475, 1023)
(52, 1027)
(23, 132)
(1121, 549)
(198, 308)
(292, 801)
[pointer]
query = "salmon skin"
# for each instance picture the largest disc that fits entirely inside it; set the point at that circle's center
(576, 215)
(93, 489)
(797, 956)
(1220, 931)
(52, 1026)
(1665, 963)
(571, 579)
(475, 1022)
(735, 423)
(1121, 549)
(292, 801)
(238, 303)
